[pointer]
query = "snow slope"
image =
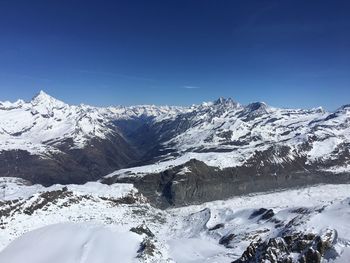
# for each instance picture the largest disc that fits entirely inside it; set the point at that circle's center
(235, 217)
(73, 243)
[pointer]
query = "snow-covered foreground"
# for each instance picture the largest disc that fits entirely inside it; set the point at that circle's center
(96, 223)
(73, 243)
(197, 236)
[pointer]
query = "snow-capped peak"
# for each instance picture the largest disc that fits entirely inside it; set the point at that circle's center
(29, 125)
(44, 98)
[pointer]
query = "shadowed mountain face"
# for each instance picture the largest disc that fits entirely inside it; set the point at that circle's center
(227, 148)
(70, 165)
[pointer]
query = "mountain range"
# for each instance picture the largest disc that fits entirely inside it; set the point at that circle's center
(172, 154)
(215, 182)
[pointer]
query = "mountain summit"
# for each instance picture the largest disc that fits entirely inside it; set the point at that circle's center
(42, 96)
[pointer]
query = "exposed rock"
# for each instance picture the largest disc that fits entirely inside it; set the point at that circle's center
(127, 200)
(311, 256)
(46, 198)
(71, 165)
(225, 240)
(204, 183)
(258, 212)
(217, 226)
(325, 241)
(274, 250)
(267, 215)
(142, 229)
(147, 248)
(309, 246)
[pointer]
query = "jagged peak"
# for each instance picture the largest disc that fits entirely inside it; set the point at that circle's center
(318, 110)
(225, 101)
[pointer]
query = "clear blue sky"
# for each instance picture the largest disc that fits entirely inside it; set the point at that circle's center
(289, 53)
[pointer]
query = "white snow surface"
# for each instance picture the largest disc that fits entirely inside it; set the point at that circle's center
(221, 160)
(15, 188)
(94, 229)
(72, 243)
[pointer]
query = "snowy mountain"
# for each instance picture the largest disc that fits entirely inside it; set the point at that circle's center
(151, 176)
(42, 124)
(228, 127)
(48, 141)
(222, 146)
(100, 223)
(240, 149)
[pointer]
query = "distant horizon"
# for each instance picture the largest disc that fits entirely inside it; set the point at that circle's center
(27, 100)
(290, 54)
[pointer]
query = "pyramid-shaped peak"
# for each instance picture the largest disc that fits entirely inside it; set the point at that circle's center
(42, 95)
(43, 98)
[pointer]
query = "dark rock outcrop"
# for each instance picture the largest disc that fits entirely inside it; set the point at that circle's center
(142, 229)
(201, 183)
(308, 247)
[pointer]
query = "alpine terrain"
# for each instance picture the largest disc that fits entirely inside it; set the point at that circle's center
(215, 182)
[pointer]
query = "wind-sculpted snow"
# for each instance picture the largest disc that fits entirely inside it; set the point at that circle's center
(77, 224)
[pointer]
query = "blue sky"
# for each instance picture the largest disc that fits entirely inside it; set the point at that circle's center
(288, 53)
